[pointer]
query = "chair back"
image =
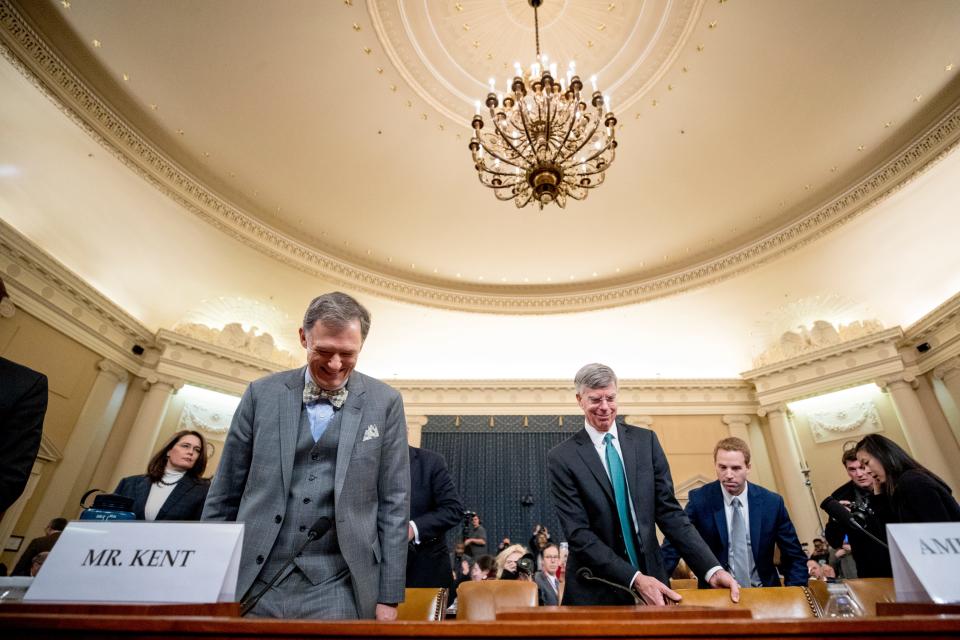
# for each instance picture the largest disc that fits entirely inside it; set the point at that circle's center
(869, 591)
(683, 583)
(764, 602)
(480, 600)
(423, 603)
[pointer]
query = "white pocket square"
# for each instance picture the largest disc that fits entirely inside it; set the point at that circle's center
(371, 433)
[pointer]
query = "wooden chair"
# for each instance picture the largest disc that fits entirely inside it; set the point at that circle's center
(423, 604)
(683, 583)
(869, 591)
(481, 600)
(765, 602)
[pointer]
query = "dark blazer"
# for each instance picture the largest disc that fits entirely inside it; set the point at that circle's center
(23, 403)
(583, 497)
(548, 596)
(35, 548)
(872, 560)
(919, 497)
(185, 502)
(435, 508)
(769, 524)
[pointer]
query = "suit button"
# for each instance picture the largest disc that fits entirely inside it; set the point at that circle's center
(306, 501)
(278, 519)
(303, 527)
(314, 456)
(259, 559)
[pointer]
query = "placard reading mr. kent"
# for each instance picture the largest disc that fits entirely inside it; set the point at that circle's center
(114, 561)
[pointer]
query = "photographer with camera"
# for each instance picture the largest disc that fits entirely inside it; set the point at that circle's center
(515, 563)
(474, 535)
(871, 559)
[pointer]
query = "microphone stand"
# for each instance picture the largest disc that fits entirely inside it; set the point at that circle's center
(587, 574)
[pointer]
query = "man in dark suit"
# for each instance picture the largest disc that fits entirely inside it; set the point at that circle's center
(611, 486)
(546, 579)
(741, 522)
(38, 545)
(871, 559)
(23, 403)
(435, 508)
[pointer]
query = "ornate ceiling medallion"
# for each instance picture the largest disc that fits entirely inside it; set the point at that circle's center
(545, 145)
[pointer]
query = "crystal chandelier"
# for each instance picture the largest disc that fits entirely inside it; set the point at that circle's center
(546, 145)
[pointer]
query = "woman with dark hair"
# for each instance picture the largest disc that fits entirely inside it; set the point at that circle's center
(909, 492)
(173, 487)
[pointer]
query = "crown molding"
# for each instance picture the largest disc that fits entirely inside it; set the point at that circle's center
(47, 290)
(835, 367)
(940, 329)
(27, 50)
(557, 397)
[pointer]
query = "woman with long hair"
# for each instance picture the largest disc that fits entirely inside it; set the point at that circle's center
(173, 487)
(913, 493)
(507, 561)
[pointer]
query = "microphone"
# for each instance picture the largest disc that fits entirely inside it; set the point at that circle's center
(842, 515)
(318, 530)
(586, 574)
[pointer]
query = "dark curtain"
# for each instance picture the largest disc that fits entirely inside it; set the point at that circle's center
(493, 471)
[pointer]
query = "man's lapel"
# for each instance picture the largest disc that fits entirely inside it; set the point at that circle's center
(349, 427)
(291, 404)
(756, 517)
(590, 458)
(628, 449)
(720, 517)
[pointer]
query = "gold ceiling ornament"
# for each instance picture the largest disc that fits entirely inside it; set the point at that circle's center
(545, 145)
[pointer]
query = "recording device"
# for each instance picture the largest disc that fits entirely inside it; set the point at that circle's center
(840, 513)
(526, 567)
(318, 530)
(584, 573)
(861, 512)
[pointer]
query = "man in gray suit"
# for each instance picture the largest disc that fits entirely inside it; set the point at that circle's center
(546, 579)
(318, 441)
(611, 486)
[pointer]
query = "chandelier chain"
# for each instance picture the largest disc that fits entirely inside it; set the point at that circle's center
(536, 29)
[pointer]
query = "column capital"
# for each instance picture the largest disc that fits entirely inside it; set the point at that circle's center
(639, 421)
(948, 369)
(112, 368)
(887, 383)
(416, 421)
(767, 409)
(737, 419)
(156, 380)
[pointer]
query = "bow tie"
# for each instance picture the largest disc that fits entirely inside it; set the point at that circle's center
(313, 394)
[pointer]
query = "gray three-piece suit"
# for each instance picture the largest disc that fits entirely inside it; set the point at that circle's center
(275, 479)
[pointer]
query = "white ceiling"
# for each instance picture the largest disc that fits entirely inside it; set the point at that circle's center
(283, 97)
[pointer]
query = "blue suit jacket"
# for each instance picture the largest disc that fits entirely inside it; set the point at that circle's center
(769, 524)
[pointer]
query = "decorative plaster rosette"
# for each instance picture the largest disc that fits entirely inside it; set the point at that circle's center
(200, 418)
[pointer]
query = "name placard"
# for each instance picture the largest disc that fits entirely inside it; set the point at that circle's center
(128, 561)
(926, 561)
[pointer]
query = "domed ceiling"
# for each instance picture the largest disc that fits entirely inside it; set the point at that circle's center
(332, 136)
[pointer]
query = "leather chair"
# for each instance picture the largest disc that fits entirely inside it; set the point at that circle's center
(481, 600)
(421, 604)
(869, 591)
(683, 583)
(766, 602)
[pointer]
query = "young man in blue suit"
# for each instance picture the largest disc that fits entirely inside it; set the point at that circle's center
(741, 522)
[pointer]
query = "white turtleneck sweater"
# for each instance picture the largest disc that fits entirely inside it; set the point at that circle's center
(160, 491)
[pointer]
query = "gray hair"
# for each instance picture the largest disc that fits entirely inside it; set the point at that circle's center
(594, 376)
(336, 310)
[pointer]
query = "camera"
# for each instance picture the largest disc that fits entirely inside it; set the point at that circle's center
(861, 512)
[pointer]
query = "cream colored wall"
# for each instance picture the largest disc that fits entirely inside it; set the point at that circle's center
(70, 369)
(688, 442)
(823, 458)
